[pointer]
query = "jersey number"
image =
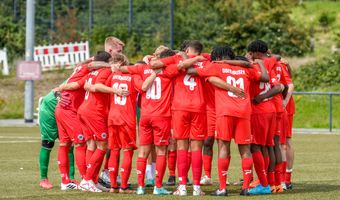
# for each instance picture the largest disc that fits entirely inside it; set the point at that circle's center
(155, 91)
(119, 100)
(190, 81)
(236, 83)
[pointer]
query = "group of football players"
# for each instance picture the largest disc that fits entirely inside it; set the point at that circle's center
(187, 100)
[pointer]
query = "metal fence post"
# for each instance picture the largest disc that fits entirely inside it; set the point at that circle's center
(330, 112)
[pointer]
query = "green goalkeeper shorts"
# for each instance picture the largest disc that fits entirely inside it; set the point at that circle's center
(48, 124)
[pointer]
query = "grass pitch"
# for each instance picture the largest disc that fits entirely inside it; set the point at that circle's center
(316, 171)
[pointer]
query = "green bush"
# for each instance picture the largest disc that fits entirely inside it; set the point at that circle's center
(318, 76)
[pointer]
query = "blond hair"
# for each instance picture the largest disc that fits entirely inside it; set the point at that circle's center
(119, 57)
(113, 41)
(160, 49)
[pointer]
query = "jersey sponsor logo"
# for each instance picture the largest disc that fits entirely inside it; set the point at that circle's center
(122, 78)
(94, 73)
(104, 135)
(233, 72)
(80, 137)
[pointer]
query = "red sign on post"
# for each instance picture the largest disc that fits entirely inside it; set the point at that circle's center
(28, 70)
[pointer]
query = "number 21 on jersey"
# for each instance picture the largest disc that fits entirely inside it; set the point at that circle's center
(236, 83)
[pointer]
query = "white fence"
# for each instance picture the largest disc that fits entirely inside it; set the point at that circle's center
(61, 55)
(4, 61)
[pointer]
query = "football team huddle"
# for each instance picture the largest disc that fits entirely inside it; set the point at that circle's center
(187, 99)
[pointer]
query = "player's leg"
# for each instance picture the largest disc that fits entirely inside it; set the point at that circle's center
(114, 146)
(151, 168)
(207, 160)
(181, 132)
(72, 169)
(172, 157)
(223, 162)
(49, 133)
(161, 137)
(145, 147)
(290, 153)
(278, 153)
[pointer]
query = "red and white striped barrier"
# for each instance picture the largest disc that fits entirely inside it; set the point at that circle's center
(4, 62)
(61, 55)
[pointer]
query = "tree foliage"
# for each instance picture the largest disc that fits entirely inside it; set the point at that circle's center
(211, 21)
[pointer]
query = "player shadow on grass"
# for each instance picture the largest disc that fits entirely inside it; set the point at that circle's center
(311, 187)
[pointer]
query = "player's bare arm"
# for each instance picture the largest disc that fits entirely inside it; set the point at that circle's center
(218, 82)
(240, 63)
(278, 88)
(97, 64)
(190, 62)
(156, 64)
(69, 86)
(289, 94)
(264, 74)
(149, 81)
(99, 87)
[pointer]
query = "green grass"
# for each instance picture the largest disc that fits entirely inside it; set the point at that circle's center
(316, 170)
(313, 111)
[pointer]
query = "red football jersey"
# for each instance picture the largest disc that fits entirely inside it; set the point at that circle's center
(156, 101)
(77, 96)
(278, 100)
(95, 102)
(122, 109)
(258, 88)
(188, 90)
(226, 102)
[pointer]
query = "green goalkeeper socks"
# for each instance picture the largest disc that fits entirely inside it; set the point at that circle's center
(71, 157)
(44, 159)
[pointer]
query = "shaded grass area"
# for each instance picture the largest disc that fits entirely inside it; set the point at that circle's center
(315, 172)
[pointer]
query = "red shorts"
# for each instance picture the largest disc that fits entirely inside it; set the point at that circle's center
(228, 127)
(189, 125)
(278, 128)
(290, 126)
(94, 127)
(69, 129)
(263, 128)
(284, 128)
(211, 123)
(154, 130)
(122, 137)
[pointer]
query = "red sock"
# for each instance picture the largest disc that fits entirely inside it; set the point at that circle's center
(141, 165)
(266, 162)
(207, 165)
(182, 157)
(271, 178)
(247, 166)
(196, 162)
(160, 170)
(126, 168)
(113, 167)
(81, 160)
(259, 168)
(223, 166)
(64, 163)
(89, 154)
(278, 170)
(94, 163)
(172, 156)
(106, 162)
(283, 171)
(288, 176)
(189, 154)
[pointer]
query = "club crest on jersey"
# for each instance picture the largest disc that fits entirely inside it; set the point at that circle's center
(80, 137)
(104, 135)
